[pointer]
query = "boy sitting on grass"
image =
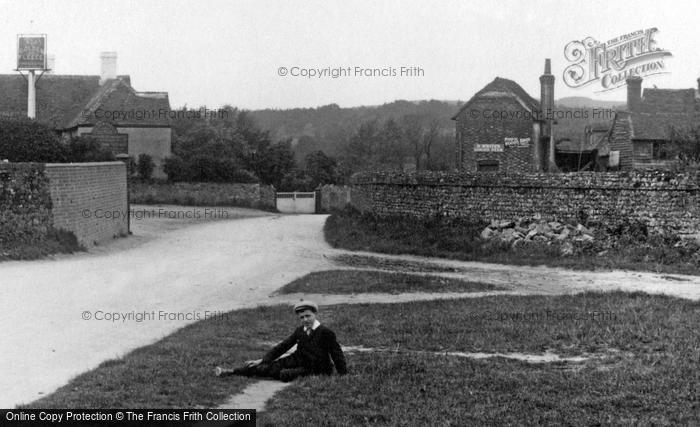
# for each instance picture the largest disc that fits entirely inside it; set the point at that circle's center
(316, 347)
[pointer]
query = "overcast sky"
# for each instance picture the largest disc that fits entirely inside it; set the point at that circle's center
(230, 52)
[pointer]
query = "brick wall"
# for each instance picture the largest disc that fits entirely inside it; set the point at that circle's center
(89, 199)
(204, 194)
(25, 204)
(666, 202)
(489, 122)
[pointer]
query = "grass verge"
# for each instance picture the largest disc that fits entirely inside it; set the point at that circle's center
(56, 242)
(652, 379)
(364, 281)
(460, 239)
(393, 264)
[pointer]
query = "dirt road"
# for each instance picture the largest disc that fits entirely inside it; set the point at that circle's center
(63, 316)
(199, 269)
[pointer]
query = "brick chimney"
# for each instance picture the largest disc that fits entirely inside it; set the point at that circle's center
(634, 93)
(547, 105)
(109, 66)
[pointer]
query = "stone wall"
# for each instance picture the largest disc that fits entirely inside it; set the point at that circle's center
(666, 202)
(204, 194)
(89, 199)
(25, 204)
(334, 197)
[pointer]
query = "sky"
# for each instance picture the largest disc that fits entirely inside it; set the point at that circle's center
(212, 53)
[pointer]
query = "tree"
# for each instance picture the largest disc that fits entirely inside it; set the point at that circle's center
(685, 146)
(321, 168)
(391, 151)
(273, 162)
(145, 166)
(420, 132)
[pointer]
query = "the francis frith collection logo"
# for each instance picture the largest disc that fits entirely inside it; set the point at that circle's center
(611, 62)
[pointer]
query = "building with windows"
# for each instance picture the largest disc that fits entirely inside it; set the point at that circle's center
(103, 106)
(642, 136)
(504, 129)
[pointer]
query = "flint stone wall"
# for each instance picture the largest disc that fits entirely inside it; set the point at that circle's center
(25, 204)
(334, 197)
(666, 202)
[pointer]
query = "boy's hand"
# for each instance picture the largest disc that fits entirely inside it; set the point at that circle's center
(252, 363)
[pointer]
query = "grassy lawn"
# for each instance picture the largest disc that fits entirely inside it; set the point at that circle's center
(652, 378)
(460, 240)
(393, 264)
(363, 281)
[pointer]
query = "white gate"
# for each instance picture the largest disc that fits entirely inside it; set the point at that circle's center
(296, 203)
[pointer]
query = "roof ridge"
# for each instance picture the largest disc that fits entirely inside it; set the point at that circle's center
(95, 101)
(511, 85)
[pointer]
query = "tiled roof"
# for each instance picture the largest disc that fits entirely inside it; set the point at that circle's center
(668, 101)
(658, 126)
(119, 102)
(58, 98)
(63, 100)
(663, 109)
(503, 87)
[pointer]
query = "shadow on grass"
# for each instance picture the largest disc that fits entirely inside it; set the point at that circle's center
(363, 281)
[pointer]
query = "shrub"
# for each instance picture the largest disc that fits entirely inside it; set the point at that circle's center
(207, 169)
(177, 169)
(132, 166)
(87, 149)
(26, 140)
(145, 167)
(244, 177)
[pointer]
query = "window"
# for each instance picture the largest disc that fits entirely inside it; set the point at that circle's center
(487, 166)
(661, 151)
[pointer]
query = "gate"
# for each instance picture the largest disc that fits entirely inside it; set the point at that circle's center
(296, 202)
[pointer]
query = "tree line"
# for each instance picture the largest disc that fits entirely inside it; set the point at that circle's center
(232, 147)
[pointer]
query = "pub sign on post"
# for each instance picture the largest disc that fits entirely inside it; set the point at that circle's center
(31, 51)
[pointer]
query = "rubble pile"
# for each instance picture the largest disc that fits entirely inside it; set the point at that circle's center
(538, 230)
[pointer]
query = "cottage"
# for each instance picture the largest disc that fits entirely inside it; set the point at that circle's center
(103, 106)
(641, 136)
(502, 128)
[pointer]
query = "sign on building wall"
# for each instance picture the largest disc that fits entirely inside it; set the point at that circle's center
(516, 142)
(490, 148)
(31, 51)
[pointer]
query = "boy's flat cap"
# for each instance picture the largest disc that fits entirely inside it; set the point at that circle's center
(305, 305)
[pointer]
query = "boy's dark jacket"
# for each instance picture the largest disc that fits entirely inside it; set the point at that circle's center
(314, 352)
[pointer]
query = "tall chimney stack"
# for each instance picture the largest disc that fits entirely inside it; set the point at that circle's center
(109, 66)
(50, 64)
(634, 93)
(698, 84)
(547, 105)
